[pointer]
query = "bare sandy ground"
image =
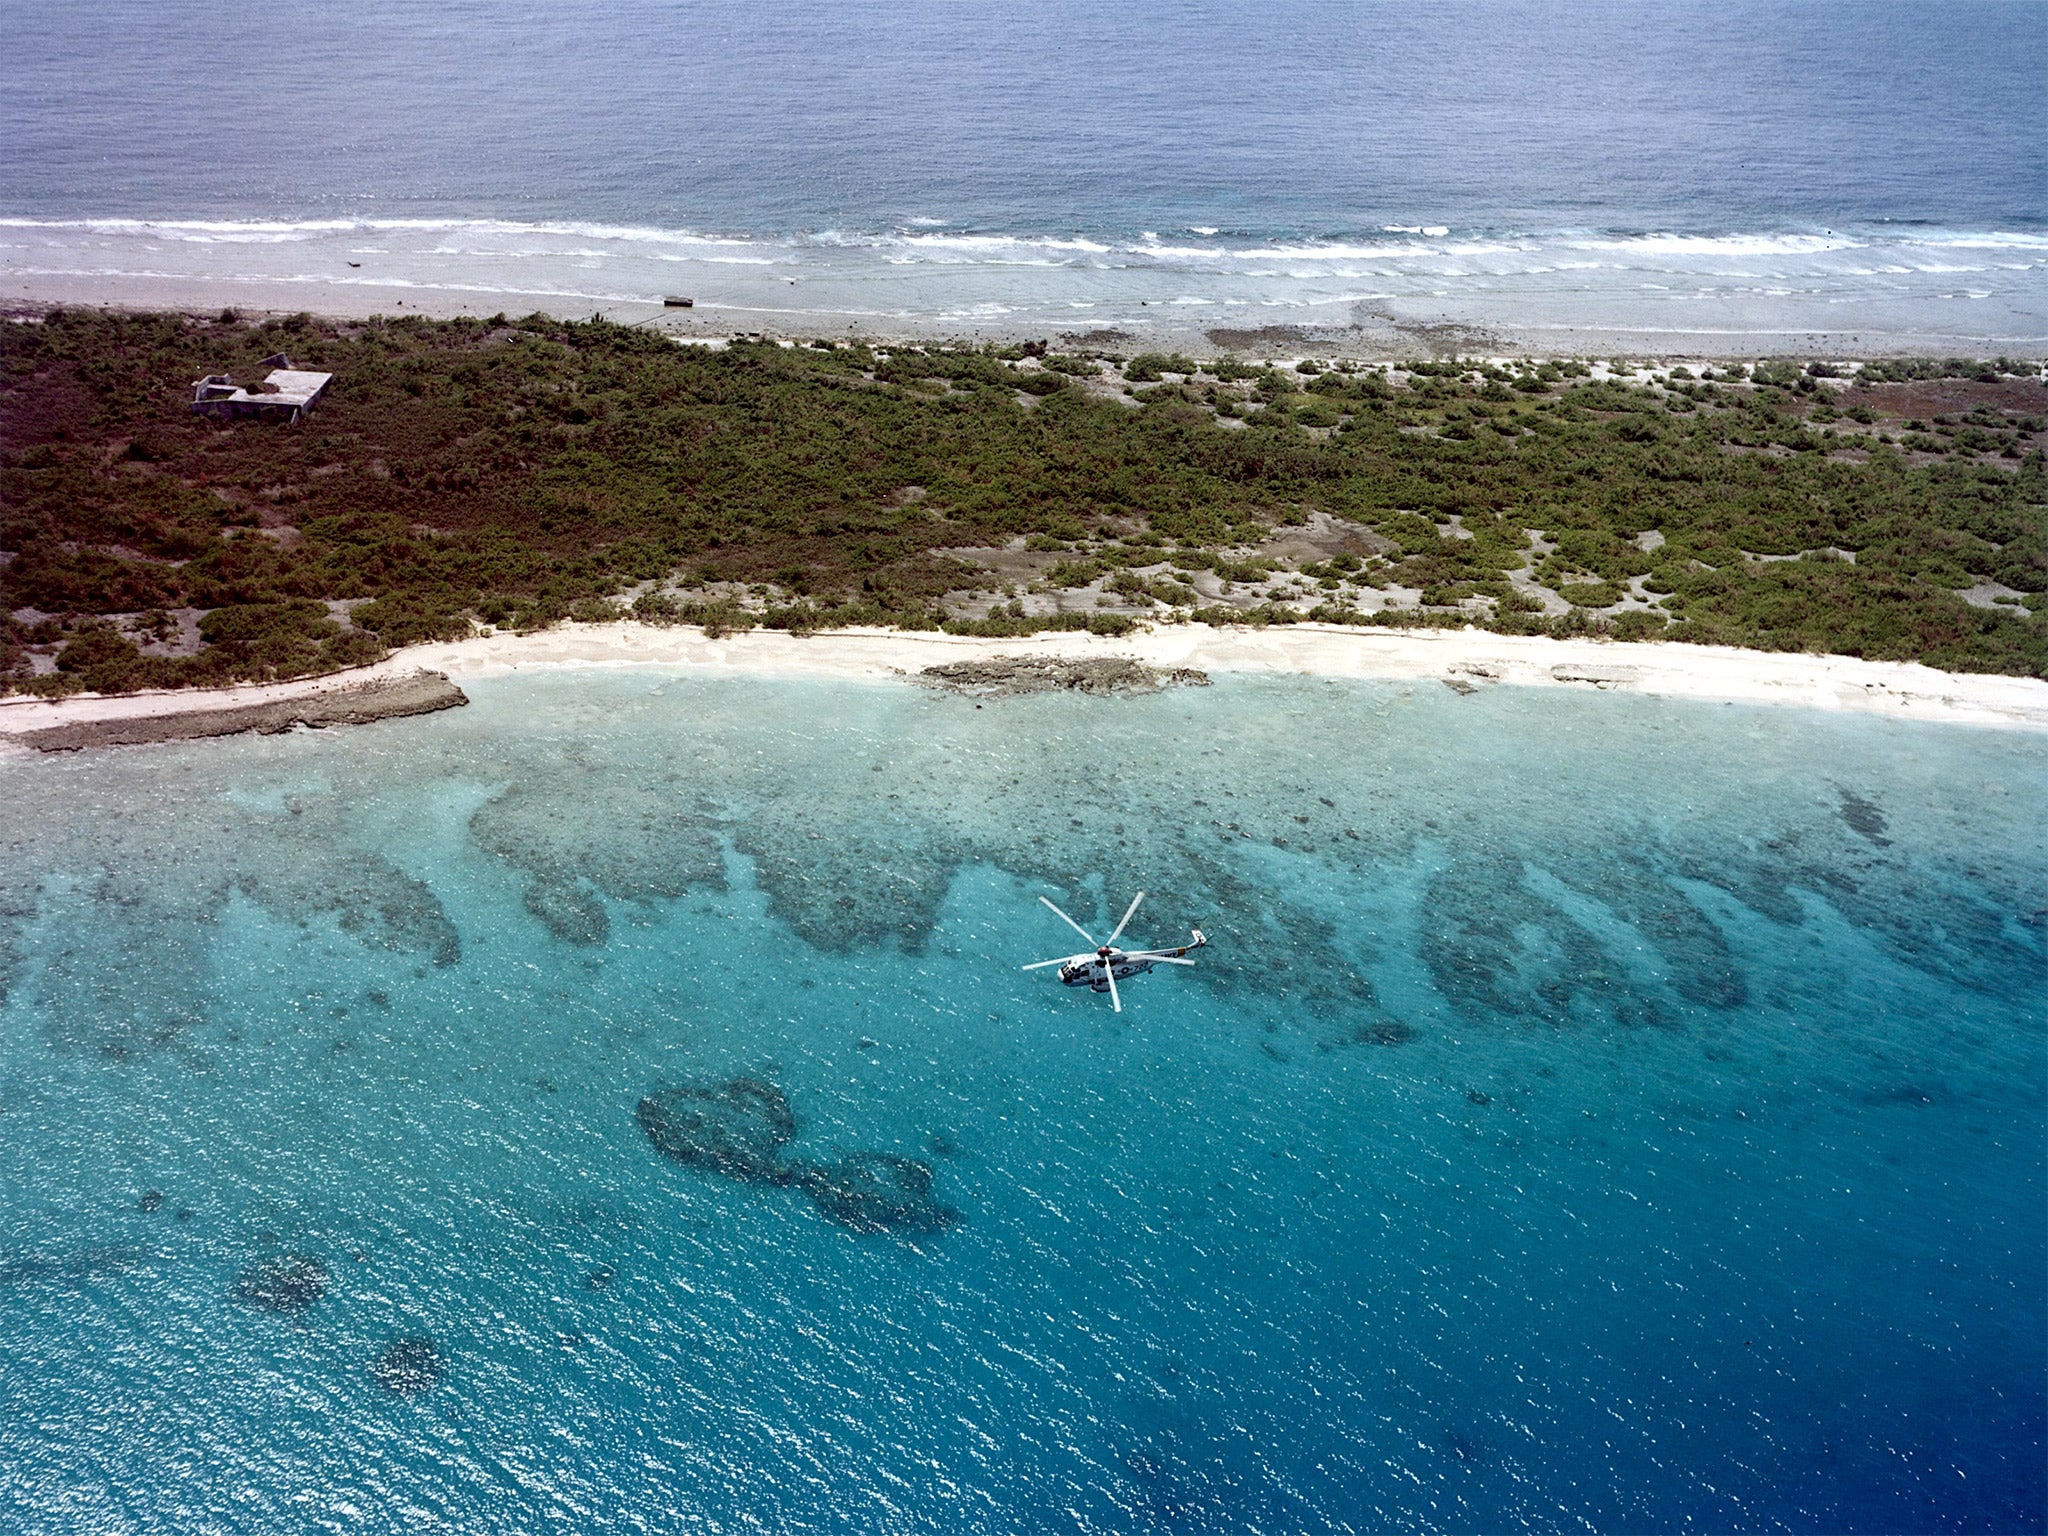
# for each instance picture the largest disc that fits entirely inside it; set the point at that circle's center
(1460, 658)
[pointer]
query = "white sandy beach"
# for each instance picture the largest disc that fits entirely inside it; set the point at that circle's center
(837, 307)
(1469, 657)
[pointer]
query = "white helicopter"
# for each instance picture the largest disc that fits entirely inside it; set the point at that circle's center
(1100, 967)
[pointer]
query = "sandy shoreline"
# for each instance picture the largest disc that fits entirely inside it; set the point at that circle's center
(1412, 329)
(1464, 658)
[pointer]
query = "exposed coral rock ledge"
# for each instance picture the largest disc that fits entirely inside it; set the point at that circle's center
(997, 675)
(384, 698)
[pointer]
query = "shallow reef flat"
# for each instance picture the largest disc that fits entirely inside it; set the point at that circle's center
(1592, 1108)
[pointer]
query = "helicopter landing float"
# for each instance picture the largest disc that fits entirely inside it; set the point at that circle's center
(1104, 965)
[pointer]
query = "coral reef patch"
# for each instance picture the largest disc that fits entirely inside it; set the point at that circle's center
(1864, 819)
(1496, 947)
(409, 1365)
(153, 888)
(70, 1271)
(876, 1192)
(1378, 1032)
(369, 899)
(289, 1283)
(834, 905)
(649, 846)
(739, 1129)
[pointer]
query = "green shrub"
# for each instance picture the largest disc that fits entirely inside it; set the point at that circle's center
(1637, 624)
(103, 661)
(1073, 573)
(251, 622)
(1149, 367)
(1590, 594)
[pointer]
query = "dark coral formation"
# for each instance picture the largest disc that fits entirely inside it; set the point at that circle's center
(1497, 944)
(1381, 1032)
(409, 1365)
(153, 885)
(17, 906)
(289, 1283)
(836, 905)
(737, 1129)
(649, 846)
(369, 898)
(71, 1271)
(877, 1192)
(1864, 819)
(134, 992)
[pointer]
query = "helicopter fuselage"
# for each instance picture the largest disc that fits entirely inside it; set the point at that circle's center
(1090, 973)
(1094, 971)
(1108, 965)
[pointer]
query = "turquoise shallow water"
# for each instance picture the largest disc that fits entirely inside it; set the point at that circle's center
(1594, 1113)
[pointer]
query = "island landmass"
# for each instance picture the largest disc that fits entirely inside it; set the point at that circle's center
(464, 478)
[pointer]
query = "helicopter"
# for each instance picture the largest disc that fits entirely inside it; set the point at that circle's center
(1099, 968)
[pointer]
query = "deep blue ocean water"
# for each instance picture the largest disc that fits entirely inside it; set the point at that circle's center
(1747, 169)
(1593, 1113)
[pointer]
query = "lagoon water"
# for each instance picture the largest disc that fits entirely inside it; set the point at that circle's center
(1593, 1113)
(1737, 174)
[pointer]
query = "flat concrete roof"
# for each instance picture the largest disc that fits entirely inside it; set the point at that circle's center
(294, 386)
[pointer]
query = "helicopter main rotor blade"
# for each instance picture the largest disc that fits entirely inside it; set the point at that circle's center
(1070, 923)
(1109, 974)
(1160, 959)
(1128, 912)
(1039, 965)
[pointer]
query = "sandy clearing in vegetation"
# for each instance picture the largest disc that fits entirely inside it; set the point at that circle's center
(1464, 657)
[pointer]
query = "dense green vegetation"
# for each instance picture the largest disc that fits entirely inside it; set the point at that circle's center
(518, 473)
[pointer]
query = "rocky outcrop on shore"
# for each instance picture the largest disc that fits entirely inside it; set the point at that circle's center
(1000, 676)
(422, 693)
